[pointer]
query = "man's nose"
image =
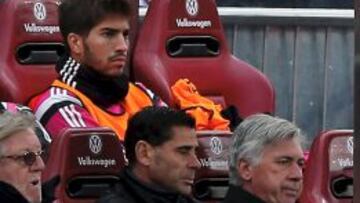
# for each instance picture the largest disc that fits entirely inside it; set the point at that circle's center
(296, 172)
(122, 43)
(38, 165)
(194, 162)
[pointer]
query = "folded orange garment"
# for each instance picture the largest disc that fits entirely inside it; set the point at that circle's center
(205, 111)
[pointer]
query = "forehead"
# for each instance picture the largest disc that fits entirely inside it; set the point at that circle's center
(182, 136)
(284, 148)
(113, 21)
(21, 141)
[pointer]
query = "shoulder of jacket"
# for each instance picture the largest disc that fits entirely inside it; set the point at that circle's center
(117, 194)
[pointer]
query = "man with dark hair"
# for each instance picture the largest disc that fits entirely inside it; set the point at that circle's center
(266, 161)
(160, 146)
(92, 89)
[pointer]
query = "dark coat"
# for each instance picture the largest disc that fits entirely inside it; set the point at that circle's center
(10, 194)
(130, 190)
(236, 194)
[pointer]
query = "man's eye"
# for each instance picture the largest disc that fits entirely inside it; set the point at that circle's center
(108, 34)
(126, 35)
(284, 162)
(183, 152)
(301, 163)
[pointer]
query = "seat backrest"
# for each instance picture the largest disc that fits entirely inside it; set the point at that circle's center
(88, 162)
(185, 39)
(328, 175)
(211, 181)
(31, 43)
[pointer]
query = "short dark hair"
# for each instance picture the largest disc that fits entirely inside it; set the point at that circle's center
(154, 125)
(80, 16)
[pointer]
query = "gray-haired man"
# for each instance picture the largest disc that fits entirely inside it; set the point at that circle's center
(266, 161)
(20, 161)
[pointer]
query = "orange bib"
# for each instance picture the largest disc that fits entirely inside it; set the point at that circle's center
(135, 100)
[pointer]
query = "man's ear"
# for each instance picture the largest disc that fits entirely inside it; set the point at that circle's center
(245, 170)
(76, 44)
(144, 153)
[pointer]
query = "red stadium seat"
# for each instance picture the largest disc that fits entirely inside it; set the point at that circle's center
(30, 45)
(212, 179)
(185, 39)
(87, 161)
(328, 174)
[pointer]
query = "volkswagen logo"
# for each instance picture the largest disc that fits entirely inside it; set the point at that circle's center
(192, 7)
(95, 144)
(40, 11)
(216, 145)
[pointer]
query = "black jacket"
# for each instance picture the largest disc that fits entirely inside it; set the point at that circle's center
(236, 194)
(9, 194)
(130, 190)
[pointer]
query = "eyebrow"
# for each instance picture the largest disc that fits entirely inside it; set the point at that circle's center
(114, 29)
(290, 158)
(186, 147)
(107, 29)
(32, 150)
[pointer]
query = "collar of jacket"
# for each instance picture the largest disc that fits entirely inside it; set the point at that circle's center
(10, 194)
(237, 194)
(151, 193)
(104, 91)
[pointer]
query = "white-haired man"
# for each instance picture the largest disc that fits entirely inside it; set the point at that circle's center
(20, 161)
(266, 161)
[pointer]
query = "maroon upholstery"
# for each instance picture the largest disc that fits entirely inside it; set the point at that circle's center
(29, 47)
(86, 165)
(328, 174)
(211, 180)
(167, 50)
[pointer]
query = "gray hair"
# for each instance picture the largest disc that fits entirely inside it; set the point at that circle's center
(11, 123)
(253, 135)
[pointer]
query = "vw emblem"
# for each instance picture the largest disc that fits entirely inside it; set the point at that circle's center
(95, 144)
(192, 7)
(39, 11)
(350, 145)
(216, 145)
